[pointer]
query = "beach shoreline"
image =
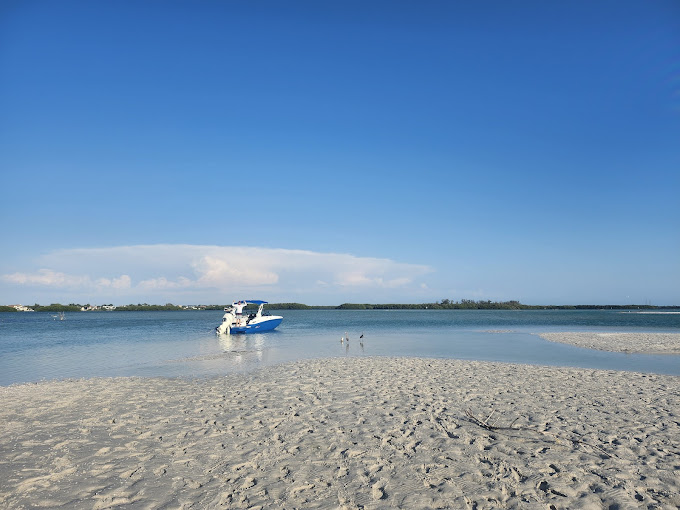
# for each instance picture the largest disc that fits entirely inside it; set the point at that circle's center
(638, 342)
(346, 433)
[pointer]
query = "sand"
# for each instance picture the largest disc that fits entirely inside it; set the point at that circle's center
(646, 343)
(346, 433)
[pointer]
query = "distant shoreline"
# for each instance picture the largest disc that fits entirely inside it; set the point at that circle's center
(444, 305)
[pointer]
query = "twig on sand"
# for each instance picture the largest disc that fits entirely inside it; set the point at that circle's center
(496, 428)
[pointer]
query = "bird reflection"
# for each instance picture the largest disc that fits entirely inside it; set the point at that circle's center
(344, 341)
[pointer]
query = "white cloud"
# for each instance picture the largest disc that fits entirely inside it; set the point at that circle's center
(215, 270)
(47, 278)
(58, 279)
(163, 283)
(166, 270)
(124, 282)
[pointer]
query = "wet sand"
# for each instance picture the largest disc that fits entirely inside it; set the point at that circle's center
(346, 433)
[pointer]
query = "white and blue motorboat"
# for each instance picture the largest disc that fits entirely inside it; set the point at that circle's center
(235, 321)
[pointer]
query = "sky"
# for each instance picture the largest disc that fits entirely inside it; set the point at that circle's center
(339, 151)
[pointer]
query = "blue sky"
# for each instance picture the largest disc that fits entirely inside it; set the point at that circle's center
(340, 151)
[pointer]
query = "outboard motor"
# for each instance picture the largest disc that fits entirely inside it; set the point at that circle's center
(227, 321)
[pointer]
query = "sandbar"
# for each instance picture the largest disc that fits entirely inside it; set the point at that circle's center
(372, 432)
(644, 343)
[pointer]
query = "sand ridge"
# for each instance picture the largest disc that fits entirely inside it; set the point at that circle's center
(346, 433)
(644, 343)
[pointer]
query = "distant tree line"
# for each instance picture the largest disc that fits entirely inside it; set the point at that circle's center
(57, 307)
(465, 304)
(444, 304)
(145, 307)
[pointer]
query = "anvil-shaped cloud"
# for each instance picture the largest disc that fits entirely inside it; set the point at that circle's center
(167, 269)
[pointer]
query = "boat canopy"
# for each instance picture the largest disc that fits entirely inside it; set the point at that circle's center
(255, 301)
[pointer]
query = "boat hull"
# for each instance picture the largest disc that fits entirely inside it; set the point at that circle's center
(259, 326)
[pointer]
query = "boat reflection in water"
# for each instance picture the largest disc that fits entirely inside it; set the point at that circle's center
(241, 349)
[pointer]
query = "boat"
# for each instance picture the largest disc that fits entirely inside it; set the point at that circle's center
(235, 321)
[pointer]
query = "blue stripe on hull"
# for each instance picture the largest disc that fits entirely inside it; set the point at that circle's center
(258, 328)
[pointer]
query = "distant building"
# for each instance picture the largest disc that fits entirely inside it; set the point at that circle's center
(108, 307)
(22, 308)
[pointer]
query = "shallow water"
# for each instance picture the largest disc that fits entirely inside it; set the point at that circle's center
(35, 346)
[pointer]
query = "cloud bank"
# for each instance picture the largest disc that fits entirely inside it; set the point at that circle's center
(219, 272)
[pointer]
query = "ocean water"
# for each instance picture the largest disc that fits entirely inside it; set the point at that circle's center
(36, 346)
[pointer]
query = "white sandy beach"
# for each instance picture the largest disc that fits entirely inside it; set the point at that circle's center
(346, 433)
(645, 343)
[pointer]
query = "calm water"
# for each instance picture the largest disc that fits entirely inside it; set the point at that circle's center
(35, 346)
